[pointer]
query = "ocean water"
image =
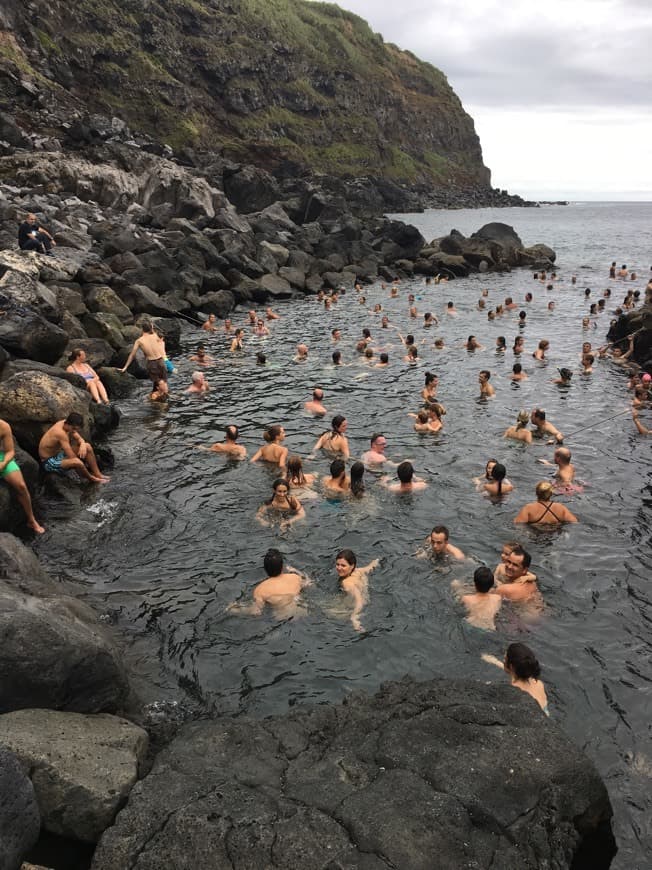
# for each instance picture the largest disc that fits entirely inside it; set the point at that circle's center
(172, 540)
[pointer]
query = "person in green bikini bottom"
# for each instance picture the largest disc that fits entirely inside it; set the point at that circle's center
(11, 473)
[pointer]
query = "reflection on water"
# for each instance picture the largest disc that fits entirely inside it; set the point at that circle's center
(173, 539)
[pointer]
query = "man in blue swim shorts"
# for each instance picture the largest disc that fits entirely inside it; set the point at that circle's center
(11, 473)
(62, 448)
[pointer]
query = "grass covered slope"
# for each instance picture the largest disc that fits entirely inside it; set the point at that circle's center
(266, 81)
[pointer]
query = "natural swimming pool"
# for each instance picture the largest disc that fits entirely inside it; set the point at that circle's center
(173, 539)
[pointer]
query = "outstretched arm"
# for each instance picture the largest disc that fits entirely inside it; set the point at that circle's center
(492, 660)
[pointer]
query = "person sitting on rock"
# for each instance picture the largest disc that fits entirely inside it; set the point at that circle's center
(79, 366)
(11, 473)
(62, 448)
(33, 237)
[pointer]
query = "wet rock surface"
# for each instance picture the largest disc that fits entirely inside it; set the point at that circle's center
(443, 773)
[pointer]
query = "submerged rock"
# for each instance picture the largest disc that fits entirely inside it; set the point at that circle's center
(82, 767)
(437, 774)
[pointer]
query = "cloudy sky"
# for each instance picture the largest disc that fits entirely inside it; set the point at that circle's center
(560, 91)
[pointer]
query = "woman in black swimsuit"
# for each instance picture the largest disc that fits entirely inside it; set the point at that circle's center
(544, 511)
(287, 505)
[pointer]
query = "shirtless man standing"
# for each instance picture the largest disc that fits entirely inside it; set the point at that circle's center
(153, 348)
(486, 389)
(315, 405)
(483, 604)
(543, 426)
(10, 472)
(565, 469)
(63, 448)
(230, 444)
(438, 545)
(280, 589)
(407, 481)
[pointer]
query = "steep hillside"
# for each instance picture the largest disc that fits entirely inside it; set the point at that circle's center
(284, 84)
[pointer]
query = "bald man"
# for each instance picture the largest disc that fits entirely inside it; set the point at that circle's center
(565, 470)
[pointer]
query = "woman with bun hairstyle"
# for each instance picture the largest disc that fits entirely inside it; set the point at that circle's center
(543, 511)
(334, 441)
(273, 451)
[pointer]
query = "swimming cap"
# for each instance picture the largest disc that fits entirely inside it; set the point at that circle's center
(646, 378)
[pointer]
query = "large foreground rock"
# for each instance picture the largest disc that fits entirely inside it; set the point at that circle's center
(55, 653)
(82, 767)
(31, 401)
(424, 775)
(19, 816)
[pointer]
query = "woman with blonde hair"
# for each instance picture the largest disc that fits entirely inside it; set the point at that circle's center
(544, 511)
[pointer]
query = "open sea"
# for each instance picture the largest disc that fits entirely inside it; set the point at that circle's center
(173, 538)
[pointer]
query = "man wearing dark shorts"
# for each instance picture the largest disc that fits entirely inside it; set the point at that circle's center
(33, 237)
(153, 347)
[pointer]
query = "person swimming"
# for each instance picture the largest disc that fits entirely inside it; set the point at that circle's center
(272, 451)
(334, 441)
(524, 670)
(354, 582)
(283, 503)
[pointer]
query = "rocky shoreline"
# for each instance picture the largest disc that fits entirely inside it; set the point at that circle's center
(139, 237)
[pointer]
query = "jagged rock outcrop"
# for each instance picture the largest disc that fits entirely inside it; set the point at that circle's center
(55, 654)
(436, 774)
(82, 767)
(295, 88)
(20, 820)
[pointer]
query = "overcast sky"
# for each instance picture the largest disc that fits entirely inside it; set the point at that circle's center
(560, 91)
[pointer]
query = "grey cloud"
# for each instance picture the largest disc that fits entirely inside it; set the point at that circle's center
(546, 64)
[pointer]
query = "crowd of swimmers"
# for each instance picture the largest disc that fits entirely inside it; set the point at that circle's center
(62, 448)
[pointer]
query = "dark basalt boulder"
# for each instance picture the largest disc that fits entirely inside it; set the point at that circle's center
(249, 188)
(439, 774)
(12, 517)
(55, 654)
(24, 333)
(20, 819)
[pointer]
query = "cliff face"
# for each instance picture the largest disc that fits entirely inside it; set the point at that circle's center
(286, 84)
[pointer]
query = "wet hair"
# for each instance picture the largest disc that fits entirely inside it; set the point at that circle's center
(357, 473)
(375, 436)
(486, 373)
(517, 368)
(348, 556)
(522, 315)
(498, 473)
(295, 470)
(147, 326)
(483, 579)
(261, 359)
(543, 344)
(281, 481)
(337, 467)
(587, 292)
(412, 351)
(439, 530)
(519, 551)
(384, 357)
(450, 305)
(500, 341)
(522, 419)
(318, 394)
(509, 300)
(544, 490)
(337, 356)
(273, 562)
(366, 332)
(74, 419)
(336, 422)
(405, 471)
(427, 316)
(333, 331)
(470, 339)
(232, 433)
(369, 353)
(409, 339)
(522, 662)
(422, 416)
(438, 410)
(272, 433)
(565, 374)
(430, 378)
(72, 356)
(540, 413)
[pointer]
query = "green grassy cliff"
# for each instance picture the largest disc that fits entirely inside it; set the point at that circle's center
(273, 82)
